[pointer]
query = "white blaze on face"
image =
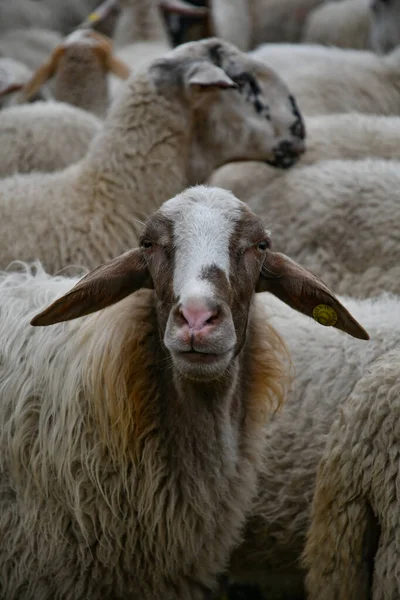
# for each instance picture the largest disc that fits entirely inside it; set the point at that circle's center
(204, 221)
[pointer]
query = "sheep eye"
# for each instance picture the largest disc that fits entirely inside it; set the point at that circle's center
(262, 246)
(146, 244)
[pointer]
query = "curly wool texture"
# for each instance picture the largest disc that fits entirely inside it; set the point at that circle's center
(44, 136)
(335, 80)
(336, 217)
(328, 367)
(353, 543)
(110, 487)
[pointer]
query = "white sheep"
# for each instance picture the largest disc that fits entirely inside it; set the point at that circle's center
(385, 30)
(171, 127)
(339, 217)
(248, 23)
(346, 24)
(351, 136)
(131, 440)
(80, 66)
(328, 367)
(333, 80)
(44, 136)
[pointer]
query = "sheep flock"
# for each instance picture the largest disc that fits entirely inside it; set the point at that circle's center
(199, 299)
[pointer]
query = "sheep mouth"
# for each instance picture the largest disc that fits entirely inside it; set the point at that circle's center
(201, 366)
(196, 357)
(283, 160)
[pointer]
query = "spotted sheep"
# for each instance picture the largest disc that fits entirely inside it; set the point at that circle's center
(131, 439)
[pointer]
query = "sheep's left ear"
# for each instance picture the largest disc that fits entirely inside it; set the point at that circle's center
(104, 286)
(204, 75)
(307, 293)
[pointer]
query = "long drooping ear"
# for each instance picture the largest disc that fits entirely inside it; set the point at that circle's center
(9, 87)
(179, 7)
(103, 49)
(206, 75)
(43, 74)
(307, 293)
(104, 286)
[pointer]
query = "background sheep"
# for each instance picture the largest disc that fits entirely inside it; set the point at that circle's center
(172, 126)
(327, 366)
(44, 136)
(339, 217)
(332, 80)
(356, 496)
(346, 23)
(80, 66)
(144, 505)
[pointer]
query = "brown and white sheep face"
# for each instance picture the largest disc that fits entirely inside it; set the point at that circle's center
(205, 254)
(240, 109)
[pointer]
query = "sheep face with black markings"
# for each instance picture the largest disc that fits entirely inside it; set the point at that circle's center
(263, 117)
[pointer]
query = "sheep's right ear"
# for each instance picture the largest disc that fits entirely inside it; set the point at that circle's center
(304, 291)
(102, 287)
(43, 74)
(205, 75)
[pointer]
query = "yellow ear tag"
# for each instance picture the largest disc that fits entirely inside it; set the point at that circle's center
(93, 17)
(325, 315)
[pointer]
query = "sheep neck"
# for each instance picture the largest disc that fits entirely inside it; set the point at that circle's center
(140, 157)
(140, 21)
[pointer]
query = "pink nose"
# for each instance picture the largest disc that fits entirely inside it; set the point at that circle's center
(197, 316)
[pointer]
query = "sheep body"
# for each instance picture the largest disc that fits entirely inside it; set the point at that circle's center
(345, 24)
(351, 136)
(339, 217)
(333, 80)
(44, 136)
(356, 486)
(327, 366)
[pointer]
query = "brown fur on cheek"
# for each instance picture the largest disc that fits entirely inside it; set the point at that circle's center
(128, 389)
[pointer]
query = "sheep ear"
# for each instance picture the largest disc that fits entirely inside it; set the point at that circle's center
(118, 67)
(9, 87)
(102, 287)
(307, 293)
(179, 7)
(43, 74)
(205, 75)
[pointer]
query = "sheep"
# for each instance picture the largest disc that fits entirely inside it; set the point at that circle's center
(356, 495)
(334, 80)
(171, 127)
(122, 478)
(80, 66)
(385, 30)
(248, 23)
(44, 136)
(346, 24)
(350, 136)
(328, 367)
(339, 217)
